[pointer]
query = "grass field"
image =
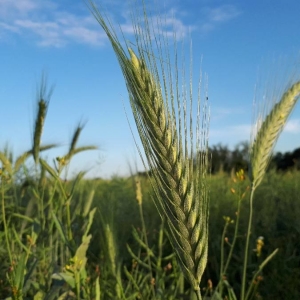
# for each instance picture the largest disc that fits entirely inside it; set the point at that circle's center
(53, 242)
(179, 233)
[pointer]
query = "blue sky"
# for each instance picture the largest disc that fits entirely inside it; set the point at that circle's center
(242, 44)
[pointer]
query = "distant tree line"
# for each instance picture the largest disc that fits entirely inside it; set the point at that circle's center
(222, 159)
(225, 160)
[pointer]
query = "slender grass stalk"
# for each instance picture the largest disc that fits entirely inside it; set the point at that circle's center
(222, 272)
(166, 133)
(244, 276)
(237, 222)
(5, 223)
(251, 287)
(139, 198)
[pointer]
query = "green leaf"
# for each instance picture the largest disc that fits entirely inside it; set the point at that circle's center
(88, 203)
(90, 222)
(21, 159)
(80, 255)
(67, 277)
(63, 296)
(23, 217)
(76, 181)
(54, 174)
(30, 270)
(231, 293)
(141, 243)
(62, 232)
(20, 271)
(50, 170)
(84, 148)
(55, 290)
(97, 289)
(39, 296)
(216, 296)
(18, 240)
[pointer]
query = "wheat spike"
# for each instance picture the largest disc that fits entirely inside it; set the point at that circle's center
(43, 97)
(179, 184)
(175, 184)
(269, 132)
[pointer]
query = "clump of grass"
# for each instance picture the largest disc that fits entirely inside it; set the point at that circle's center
(160, 113)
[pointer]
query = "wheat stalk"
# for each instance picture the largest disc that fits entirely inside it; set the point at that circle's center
(43, 101)
(179, 184)
(269, 132)
(260, 154)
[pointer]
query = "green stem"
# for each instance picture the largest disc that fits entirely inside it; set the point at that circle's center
(198, 294)
(146, 242)
(260, 268)
(160, 245)
(234, 237)
(222, 255)
(247, 243)
(232, 245)
(5, 224)
(70, 235)
(77, 284)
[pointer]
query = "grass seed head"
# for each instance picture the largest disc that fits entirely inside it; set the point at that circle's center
(180, 187)
(268, 133)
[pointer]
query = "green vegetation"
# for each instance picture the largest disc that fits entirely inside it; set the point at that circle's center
(103, 239)
(162, 106)
(152, 237)
(43, 256)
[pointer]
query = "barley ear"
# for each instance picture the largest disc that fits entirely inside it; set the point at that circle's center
(269, 132)
(180, 196)
(180, 186)
(43, 97)
(6, 164)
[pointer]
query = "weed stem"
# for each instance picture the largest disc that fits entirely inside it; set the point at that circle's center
(253, 187)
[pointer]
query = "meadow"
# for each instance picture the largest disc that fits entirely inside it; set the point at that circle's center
(103, 239)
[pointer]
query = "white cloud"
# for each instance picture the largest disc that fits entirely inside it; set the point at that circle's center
(223, 13)
(292, 126)
(9, 7)
(217, 16)
(48, 26)
(48, 32)
(9, 27)
(220, 113)
(85, 35)
(237, 131)
(166, 26)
